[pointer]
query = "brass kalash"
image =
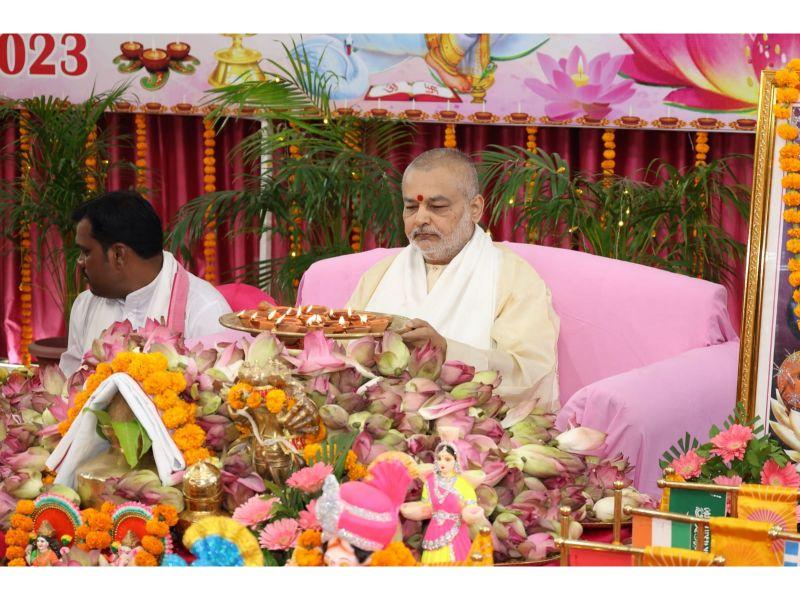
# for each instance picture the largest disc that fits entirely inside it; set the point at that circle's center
(267, 438)
(237, 63)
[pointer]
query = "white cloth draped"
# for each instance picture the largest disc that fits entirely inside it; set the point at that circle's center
(82, 441)
(461, 304)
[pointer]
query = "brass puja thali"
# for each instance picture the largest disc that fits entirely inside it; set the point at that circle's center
(291, 324)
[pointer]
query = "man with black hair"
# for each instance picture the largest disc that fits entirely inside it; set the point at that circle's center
(131, 277)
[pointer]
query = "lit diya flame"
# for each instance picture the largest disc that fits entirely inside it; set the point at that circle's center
(272, 314)
(363, 319)
(331, 315)
(240, 314)
(289, 312)
(349, 312)
(342, 322)
(280, 319)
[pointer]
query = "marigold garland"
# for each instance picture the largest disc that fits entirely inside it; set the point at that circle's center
(91, 162)
(788, 82)
(25, 258)
(210, 185)
(701, 148)
(396, 554)
(530, 145)
(164, 387)
(141, 150)
(609, 155)
(450, 135)
(157, 528)
(20, 534)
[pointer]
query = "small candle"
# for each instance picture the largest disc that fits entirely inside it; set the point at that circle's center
(363, 319)
(288, 312)
(240, 313)
(331, 315)
(669, 112)
(379, 102)
(483, 106)
(310, 320)
(183, 100)
(519, 107)
(630, 110)
(413, 103)
(299, 310)
(448, 105)
(349, 312)
(153, 43)
(342, 321)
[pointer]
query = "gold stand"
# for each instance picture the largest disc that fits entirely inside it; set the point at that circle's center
(237, 63)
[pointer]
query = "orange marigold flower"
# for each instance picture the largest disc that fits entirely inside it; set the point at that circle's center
(121, 361)
(98, 540)
(22, 522)
(791, 181)
(794, 64)
(194, 455)
(794, 264)
(254, 400)
(794, 232)
(153, 545)
(99, 521)
(790, 151)
(321, 434)
(356, 472)
(145, 559)
(166, 512)
(786, 78)
(310, 453)
(793, 246)
(350, 460)
(177, 381)
(108, 508)
(17, 562)
(26, 507)
(237, 393)
(166, 400)
(791, 215)
(794, 278)
(157, 528)
(791, 198)
(395, 554)
(178, 415)
(797, 311)
(781, 111)
(189, 436)
(788, 95)
(796, 296)
(304, 557)
(157, 382)
(310, 538)
(787, 132)
(15, 537)
(275, 400)
(14, 552)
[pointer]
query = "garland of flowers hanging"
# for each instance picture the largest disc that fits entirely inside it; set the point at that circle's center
(157, 528)
(701, 149)
(141, 150)
(210, 185)
(296, 232)
(91, 162)
(25, 284)
(530, 145)
(20, 534)
(788, 92)
(165, 388)
(351, 139)
(450, 135)
(609, 154)
(95, 533)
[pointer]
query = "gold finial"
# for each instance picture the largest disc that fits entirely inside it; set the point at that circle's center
(477, 556)
(565, 511)
(619, 485)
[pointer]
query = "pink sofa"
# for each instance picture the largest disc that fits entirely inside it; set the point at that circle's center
(643, 354)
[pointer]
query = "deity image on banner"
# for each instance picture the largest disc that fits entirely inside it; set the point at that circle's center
(457, 63)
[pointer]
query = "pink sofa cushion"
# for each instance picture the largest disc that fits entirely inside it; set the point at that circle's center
(615, 315)
(646, 410)
(241, 296)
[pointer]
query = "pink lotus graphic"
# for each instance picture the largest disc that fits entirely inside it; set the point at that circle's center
(576, 86)
(713, 72)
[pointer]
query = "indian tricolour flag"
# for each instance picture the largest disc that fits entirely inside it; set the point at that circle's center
(648, 531)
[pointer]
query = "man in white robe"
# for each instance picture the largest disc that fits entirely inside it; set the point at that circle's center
(132, 278)
(478, 301)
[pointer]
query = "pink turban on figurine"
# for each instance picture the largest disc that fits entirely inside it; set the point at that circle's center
(365, 513)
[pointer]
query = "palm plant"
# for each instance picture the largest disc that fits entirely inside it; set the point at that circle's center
(668, 219)
(69, 158)
(323, 174)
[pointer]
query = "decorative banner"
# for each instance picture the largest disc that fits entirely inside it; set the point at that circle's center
(696, 503)
(668, 81)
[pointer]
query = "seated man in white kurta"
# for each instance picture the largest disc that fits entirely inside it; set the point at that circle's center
(131, 277)
(478, 301)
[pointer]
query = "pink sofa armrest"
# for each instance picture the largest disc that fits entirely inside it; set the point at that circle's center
(645, 410)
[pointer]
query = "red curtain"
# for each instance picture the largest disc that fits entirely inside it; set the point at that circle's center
(175, 176)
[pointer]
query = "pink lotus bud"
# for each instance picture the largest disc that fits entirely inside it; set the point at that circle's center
(334, 417)
(487, 498)
(581, 440)
(378, 425)
(426, 361)
(362, 351)
(455, 372)
(394, 355)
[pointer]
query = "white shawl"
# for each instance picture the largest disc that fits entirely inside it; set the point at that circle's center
(461, 305)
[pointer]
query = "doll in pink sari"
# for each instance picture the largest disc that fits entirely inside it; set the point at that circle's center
(449, 501)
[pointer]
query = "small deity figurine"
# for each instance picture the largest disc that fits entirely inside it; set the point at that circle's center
(47, 552)
(449, 501)
(123, 553)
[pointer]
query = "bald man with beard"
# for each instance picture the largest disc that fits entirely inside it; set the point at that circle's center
(478, 301)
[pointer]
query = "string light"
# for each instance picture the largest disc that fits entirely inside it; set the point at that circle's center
(209, 186)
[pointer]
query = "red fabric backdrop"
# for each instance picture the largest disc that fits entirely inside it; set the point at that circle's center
(175, 176)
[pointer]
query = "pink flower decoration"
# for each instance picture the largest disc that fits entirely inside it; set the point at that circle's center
(688, 466)
(725, 480)
(308, 517)
(732, 443)
(256, 510)
(575, 86)
(279, 535)
(309, 479)
(318, 355)
(787, 476)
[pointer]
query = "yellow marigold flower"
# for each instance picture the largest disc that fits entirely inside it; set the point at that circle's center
(788, 95)
(356, 472)
(275, 400)
(254, 400)
(797, 311)
(793, 246)
(310, 453)
(145, 559)
(395, 554)
(153, 545)
(17, 562)
(104, 370)
(14, 537)
(794, 232)
(791, 181)
(92, 382)
(156, 528)
(166, 400)
(794, 278)
(608, 137)
(791, 215)
(194, 455)
(350, 460)
(189, 436)
(794, 264)
(121, 361)
(790, 151)
(781, 111)
(786, 78)
(608, 164)
(177, 381)
(156, 382)
(310, 538)
(178, 415)
(157, 361)
(307, 558)
(702, 148)
(794, 64)
(791, 199)
(787, 132)
(15, 552)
